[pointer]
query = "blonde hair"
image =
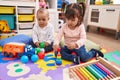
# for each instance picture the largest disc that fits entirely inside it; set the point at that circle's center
(43, 10)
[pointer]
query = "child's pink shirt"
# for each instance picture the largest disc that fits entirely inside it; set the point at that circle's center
(78, 35)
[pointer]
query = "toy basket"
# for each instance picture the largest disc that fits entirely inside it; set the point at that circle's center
(7, 10)
(25, 18)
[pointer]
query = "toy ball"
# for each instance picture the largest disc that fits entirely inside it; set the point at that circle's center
(41, 55)
(34, 58)
(42, 44)
(42, 49)
(24, 59)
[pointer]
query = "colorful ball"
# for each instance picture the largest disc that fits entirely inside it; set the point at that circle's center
(34, 58)
(24, 59)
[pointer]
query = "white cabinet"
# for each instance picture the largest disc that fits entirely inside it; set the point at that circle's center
(94, 15)
(110, 18)
(105, 16)
(25, 13)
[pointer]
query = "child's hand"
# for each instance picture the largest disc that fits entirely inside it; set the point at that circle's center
(55, 47)
(37, 44)
(72, 45)
(46, 44)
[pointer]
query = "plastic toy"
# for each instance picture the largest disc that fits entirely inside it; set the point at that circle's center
(24, 59)
(51, 63)
(42, 45)
(42, 4)
(4, 26)
(58, 58)
(30, 53)
(13, 49)
(42, 49)
(41, 55)
(34, 58)
(37, 50)
(20, 50)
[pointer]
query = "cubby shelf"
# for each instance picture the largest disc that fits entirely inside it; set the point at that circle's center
(25, 13)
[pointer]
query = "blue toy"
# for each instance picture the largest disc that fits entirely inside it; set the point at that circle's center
(58, 62)
(29, 54)
(34, 58)
(24, 59)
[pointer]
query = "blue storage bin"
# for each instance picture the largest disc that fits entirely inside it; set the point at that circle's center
(10, 19)
(59, 3)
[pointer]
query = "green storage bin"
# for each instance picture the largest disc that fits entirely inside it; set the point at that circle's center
(10, 19)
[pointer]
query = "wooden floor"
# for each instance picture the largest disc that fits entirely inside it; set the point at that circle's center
(106, 38)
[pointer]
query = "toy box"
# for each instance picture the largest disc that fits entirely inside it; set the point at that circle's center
(59, 3)
(25, 10)
(112, 72)
(7, 10)
(25, 18)
(26, 26)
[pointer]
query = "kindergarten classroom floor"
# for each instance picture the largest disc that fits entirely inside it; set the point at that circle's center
(104, 39)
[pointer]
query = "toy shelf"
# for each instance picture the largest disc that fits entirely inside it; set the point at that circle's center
(24, 12)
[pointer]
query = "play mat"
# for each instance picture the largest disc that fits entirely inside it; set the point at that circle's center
(13, 69)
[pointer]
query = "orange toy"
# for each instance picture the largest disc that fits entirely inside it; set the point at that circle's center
(4, 26)
(12, 49)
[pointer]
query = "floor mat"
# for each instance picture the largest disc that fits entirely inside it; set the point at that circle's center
(13, 69)
(113, 57)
